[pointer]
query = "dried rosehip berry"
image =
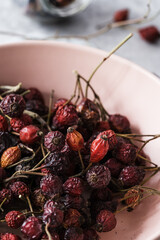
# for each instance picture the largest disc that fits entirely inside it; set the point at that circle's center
(54, 236)
(97, 206)
(98, 176)
(30, 134)
(133, 197)
(10, 236)
(60, 102)
(131, 176)
(38, 198)
(3, 174)
(99, 148)
(102, 194)
(59, 164)
(114, 166)
(150, 34)
(102, 126)
(3, 124)
(53, 216)
(54, 141)
(34, 94)
(106, 221)
(65, 116)
(14, 219)
(90, 234)
(74, 139)
(37, 107)
(72, 218)
(119, 123)
(121, 15)
(76, 202)
(111, 136)
(51, 185)
(13, 105)
(89, 113)
(74, 233)
(10, 156)
(126, 153)
(5, 195)
(19, 189)
(32, 228)
(73, 186)
(18, 123)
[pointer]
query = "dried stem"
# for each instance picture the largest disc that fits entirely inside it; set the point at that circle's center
(41, 161)
(50, 106)
(100, 64)
(30, 205)
(11, 89)
(25, 92)
(81, 160)
(47, 232)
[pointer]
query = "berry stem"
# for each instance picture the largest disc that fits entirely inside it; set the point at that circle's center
(80, 157)
(41, 161)
(11, 89)
(50, 106)
(2, 204)
(147, 179)
(42, 149)
(47, 232)
(147, 141)
(30, 205)
(100, 64)
(25, 92)
(145, 159)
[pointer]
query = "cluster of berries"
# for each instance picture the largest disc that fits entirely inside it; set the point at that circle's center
(67, 164)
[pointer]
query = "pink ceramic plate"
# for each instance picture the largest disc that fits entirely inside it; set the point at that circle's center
(124, 88)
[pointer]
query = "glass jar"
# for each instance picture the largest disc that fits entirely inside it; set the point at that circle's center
(70, 9)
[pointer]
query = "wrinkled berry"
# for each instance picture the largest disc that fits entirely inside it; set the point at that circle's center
(19, 189)
(29, 134)
(126, 153)
(32, 228)
(73, 186)
(150, 34)
(14, 219)
(18, 123)
(54, 141)
(76, 202)
(98, 176)
(106, 221)
(13, 105)
(119, 123)
(111, 137)
(73, 218)
(53, 216)
(5, 194)
(51, 185)
(10, 236)
(131, 176)
(114, 166)
(74, 139)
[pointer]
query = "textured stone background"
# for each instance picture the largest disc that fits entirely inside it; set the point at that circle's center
(15, 18)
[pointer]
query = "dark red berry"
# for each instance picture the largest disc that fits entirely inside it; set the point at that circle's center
(54, 141)
(61, 102)
(106, 221)
(65, 116)
(34, 94)
(119, 123)
(18, 123)
(37, 107)
(102, 126)
(59, 164)
(150, 34)
(114, 166)
(13, 105)
(121, 15)
(51, 203)
(3, 124)
(98, 176)
(30, 134)
(73, 218)
(90, 234)
(14, 219)
(74, 233)
(53, 216)
(102, 194)
(5, 195)
(97, 206)
(73, 186)
(126, 153)
(131, 176)
(71, 201)
(10, 236)
(38, 198)
(89, 113)
(3, 174)
(19, 189)
(51, 185)
(32, 228)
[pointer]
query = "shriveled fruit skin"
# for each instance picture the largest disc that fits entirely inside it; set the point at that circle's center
(106, 221)
(3, 124)
(10, 156)
(32, 228)
(14, 219)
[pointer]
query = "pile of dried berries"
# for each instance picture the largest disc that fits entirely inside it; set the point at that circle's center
(69, 167)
